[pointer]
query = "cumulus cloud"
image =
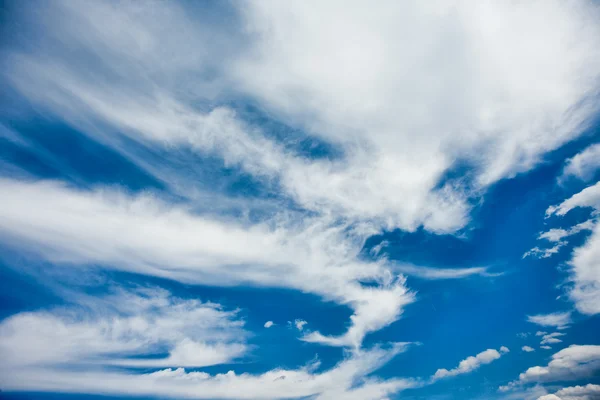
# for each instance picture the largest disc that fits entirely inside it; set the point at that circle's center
(546, 347)
(559, 320)
(269, 324)
(574, 362)
(587, 392)
(584, 164)
(470, 363)
(527, 349)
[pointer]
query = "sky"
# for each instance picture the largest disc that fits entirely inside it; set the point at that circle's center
(300, 200)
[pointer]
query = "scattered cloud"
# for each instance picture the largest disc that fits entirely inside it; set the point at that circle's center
(546, 347)
(299, 324)
(587, 392)
(558, 320)
(527, 349)
(585, 292)
(523, 335)
(269, 324)
(583, 165)
(572, 363)
(557, 236)
(470, 363)
(552, 338)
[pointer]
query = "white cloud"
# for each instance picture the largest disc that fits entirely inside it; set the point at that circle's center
(492, 108)
(129, 324)
(573, 363)
(440, 273)
(540, 333)
(299, 324)
(269, 324)
(557, 236)
(527, 349)
(523, 335)
(546, 347)
(346, 380)
(143, 234)
(588, 197)
(587, 392)
(584, 262)
(470, 363)
(544, 253)
(559, 320)
(552, 338)
(584, 164)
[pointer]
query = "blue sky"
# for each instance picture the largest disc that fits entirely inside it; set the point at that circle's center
(312, 200)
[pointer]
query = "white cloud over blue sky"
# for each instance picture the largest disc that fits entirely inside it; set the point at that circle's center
(402, 185)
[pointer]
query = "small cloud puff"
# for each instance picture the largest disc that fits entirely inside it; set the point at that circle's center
(527, 349)
(269, 324)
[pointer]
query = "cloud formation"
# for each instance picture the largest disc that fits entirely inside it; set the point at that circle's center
(470, 363)
(585, 260)
(587, 392)
(348, 380)
(128, 323)
(573, 363)
(558, 320)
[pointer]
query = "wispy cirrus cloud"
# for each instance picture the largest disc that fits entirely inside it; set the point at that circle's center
(348, 379)
(120, 327)
(558, 320)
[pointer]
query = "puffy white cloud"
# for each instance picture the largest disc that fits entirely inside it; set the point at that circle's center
(527, 349)
(559, 320)
(546, 347)
(470, 363)
(346, 380)
(114, 329)
(269, 324)
(584, 164)
(587, 392)
(574, 362)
